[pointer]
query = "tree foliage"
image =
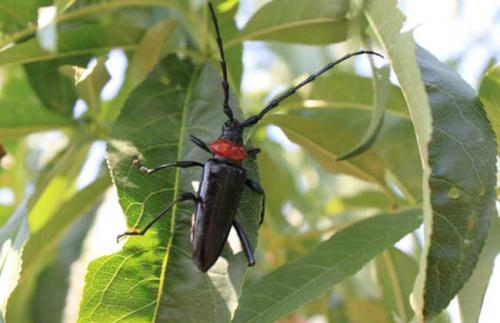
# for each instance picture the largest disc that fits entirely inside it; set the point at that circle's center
(350, 164)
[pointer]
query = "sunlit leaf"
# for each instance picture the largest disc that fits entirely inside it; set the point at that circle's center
(386, 22)
(284, 289)
(41, 246)
(13, 236)
(462, 155)
(471, 296)
(297, 21)
(396, 273)
(489, 93)
(88, 81)
(156, 270)
(150, 50)
(326, 133)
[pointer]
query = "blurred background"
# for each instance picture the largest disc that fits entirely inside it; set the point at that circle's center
(309, 203)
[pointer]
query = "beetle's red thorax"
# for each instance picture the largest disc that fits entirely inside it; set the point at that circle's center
(228, 149)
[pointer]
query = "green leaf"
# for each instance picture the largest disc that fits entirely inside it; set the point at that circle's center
(386, 22)
(489, 93)
(20, 111)
(55, 92)
(74, 42)
(57, 182)
(381, 86)
(472, 294)
(13, 236)
(462, 155)
(396, 273)
(88, 81)
(17, 14)
(297, 21)
(284, 289)
(395, 151)
(176, 100)
(335, 90)
(150, 50)
(42, 245)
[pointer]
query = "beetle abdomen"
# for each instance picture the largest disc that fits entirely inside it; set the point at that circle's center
(219, 193)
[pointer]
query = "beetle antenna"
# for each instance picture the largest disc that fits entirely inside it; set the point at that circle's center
(274, 103)
(223, 65)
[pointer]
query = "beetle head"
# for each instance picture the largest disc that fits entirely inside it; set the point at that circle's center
(231, 131)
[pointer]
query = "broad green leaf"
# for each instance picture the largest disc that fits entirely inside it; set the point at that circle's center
(284, 289)
(396, 273)
(55, 92)
(21, 112)
(74, 42)
(462, 155)
(156, 270)
(489, 93)
(88, 81)
(472, 294)
(41, 246)
(395, 151)
(297, 21)
(381, 87)
(386, 22)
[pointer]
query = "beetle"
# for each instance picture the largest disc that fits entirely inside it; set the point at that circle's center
(223, 176)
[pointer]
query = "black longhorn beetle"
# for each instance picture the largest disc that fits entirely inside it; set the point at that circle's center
(223, 176)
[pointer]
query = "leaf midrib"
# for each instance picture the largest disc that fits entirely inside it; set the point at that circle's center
(185, 107)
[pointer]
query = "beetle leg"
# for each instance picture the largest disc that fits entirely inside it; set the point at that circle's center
(180, 198)
(253, 152)
(180, 164)
(255, 186)
(245, 243)
(198, 142)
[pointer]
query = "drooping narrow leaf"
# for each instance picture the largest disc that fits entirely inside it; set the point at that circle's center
(13, 236)
(395, 151)
(462, 155)
(88, 39)
(381, 87)
(386, 21)
(297, 21)
(41, 246)
(284, 289)
(156, 270)
(489, 93)
(150, 50)
(396, 273)
(471, 296)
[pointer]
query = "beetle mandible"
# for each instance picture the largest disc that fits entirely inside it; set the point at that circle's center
(223, 177)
